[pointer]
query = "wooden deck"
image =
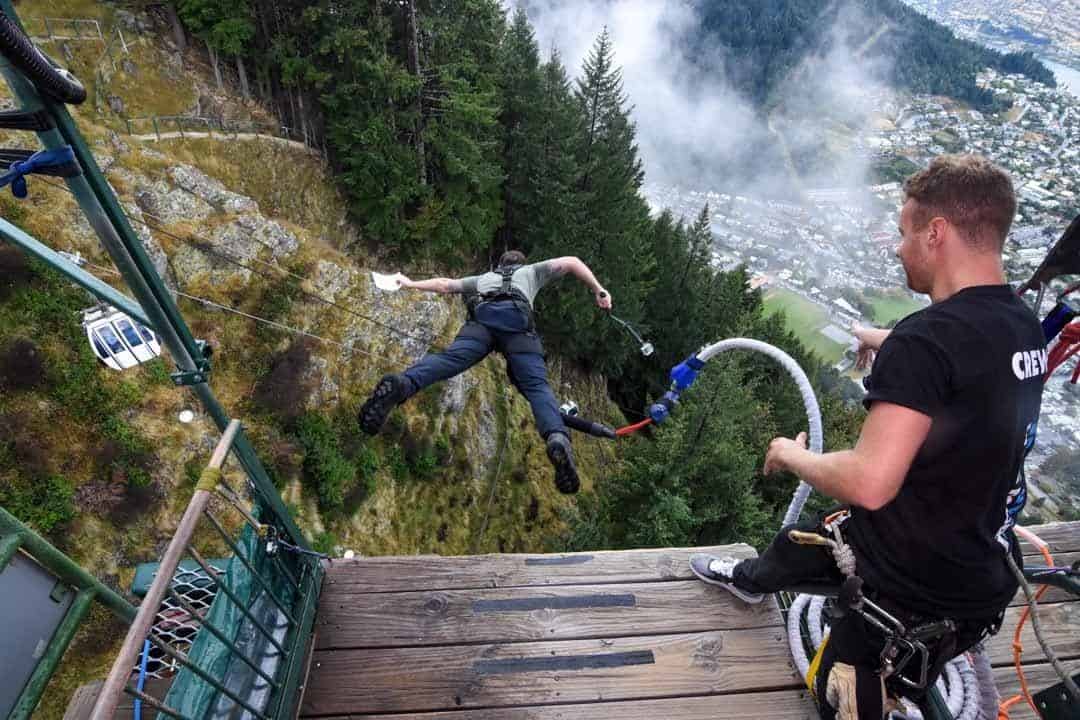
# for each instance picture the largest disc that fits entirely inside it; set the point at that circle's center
(589, 636)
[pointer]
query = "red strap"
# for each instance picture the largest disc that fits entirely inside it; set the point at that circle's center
(627, 430)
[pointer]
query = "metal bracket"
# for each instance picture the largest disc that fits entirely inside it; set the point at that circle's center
(190, 377)
(1055, 703)
(36, 121)
(202, 367)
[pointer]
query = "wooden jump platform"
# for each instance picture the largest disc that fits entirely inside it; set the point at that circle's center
(586, 636)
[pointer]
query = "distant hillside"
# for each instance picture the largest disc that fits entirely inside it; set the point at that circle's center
(757, 44)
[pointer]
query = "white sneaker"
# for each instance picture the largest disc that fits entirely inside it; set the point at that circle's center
(718, 571)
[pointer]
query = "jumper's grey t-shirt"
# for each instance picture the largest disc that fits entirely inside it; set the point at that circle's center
(527, 278)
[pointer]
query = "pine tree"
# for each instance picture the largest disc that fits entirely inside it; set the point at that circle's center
(522, 122)
(547, 231)
(225, 26)
(611, 218)
(694, 483)
(461, 107)
(699, 236)
(366, 93)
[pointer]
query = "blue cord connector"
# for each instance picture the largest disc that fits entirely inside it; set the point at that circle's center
(685, 373)
(660, 409)
(683, 376)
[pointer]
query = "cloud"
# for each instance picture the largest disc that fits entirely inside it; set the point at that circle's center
(693, 129)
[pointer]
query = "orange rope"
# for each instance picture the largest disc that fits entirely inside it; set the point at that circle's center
(1018, 648)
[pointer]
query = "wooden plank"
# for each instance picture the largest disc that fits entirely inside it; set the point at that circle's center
(779, 705)
(1061, 537)
(82, 701)
(434, 572)
(450, 617)
(1039, 677)
(1061, 628)
(576, 671)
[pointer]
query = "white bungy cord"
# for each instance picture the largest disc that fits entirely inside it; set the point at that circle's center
(958, 683)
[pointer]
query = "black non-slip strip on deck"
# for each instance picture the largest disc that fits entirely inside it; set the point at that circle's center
(573, 602)
(571, 560)
(569, 662)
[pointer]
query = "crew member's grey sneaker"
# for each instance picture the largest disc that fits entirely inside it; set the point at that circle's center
(717, 571)
(561, 455)
(387, 394)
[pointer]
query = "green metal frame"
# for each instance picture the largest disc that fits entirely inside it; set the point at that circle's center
(153, 306)
(15, 536)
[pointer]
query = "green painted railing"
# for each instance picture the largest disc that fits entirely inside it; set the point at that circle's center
(268, 587)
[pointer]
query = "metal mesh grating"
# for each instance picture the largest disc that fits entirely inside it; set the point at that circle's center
(174, 625)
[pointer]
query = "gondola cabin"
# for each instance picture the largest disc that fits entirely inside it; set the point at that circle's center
(117, 340)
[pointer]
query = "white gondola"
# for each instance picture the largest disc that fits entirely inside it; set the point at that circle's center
(117, 340)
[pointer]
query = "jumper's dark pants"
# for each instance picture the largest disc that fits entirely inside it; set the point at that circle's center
(527, 370)
(786, 564)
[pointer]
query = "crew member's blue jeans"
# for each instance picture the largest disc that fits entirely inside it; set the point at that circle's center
(527, 372)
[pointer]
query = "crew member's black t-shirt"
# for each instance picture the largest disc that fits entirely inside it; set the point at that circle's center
(974, 363)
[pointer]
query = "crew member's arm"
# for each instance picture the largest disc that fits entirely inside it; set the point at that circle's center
(443, 286)
(574, 266)
(872, 473)
(870, 340)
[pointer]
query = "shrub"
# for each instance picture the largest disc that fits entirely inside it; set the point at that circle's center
(284, 389)
(43, 503)
(22, 365)
(326, 470)
(22, 450)
(12, 210)
(15, 270)
(395, 460)
(126, 453)
(324, 542)
(443, 450)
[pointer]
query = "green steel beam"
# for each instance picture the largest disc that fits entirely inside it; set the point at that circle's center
(9, 545)
(46, 666)
(220, 582)
(63, 567)
(101, 290)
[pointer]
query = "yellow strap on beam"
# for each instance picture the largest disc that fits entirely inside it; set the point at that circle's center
(209, 479)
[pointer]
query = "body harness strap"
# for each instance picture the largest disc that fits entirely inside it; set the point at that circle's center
(904, 646)
(506, 291)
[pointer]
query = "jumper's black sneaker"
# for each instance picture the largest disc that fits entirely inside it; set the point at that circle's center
(562, 457)
(717, 571)
(388, 393)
